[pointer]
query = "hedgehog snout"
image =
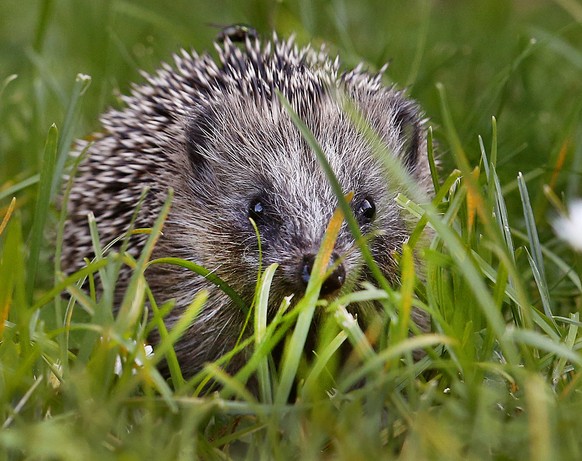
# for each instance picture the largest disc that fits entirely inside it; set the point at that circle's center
(332, 283)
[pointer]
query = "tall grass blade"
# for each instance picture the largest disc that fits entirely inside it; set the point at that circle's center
(260, 327)
(543, 290)
(10, 253)
(82, 82)
(536, 260)
(41, 210)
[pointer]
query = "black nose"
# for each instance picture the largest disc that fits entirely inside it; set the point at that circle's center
(335, 280)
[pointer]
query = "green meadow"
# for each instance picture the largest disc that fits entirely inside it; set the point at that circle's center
(500, 85)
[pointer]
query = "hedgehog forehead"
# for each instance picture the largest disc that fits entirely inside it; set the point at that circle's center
(271, 151)
(246, 132)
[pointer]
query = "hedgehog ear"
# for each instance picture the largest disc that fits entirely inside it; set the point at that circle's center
(407, 121)
(199, 133)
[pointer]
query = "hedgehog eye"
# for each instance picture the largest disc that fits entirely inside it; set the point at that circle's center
(366, 211)
(257, 211)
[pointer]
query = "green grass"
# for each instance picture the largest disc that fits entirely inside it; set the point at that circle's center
(501, 377)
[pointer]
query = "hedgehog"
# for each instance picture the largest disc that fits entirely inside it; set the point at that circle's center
(217, 134)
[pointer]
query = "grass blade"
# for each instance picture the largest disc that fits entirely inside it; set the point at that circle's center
(260, 326)
(10, 253)
(536, 260)
(41, 209)
(82, 82)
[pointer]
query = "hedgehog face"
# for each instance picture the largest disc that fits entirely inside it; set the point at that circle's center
(256, 159)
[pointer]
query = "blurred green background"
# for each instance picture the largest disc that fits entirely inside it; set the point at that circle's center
(517, 60)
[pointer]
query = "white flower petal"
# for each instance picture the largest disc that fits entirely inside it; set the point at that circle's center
(570, 228)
